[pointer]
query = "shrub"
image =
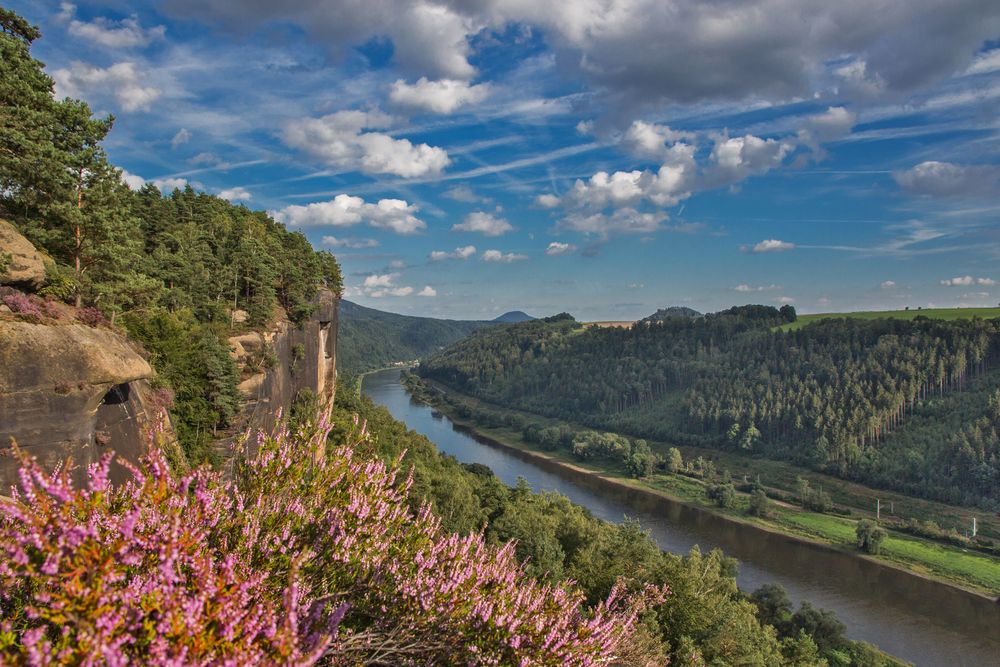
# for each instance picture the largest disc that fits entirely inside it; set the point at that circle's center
(92, 317)
(311, 552)
(870, 536)
(23, 305)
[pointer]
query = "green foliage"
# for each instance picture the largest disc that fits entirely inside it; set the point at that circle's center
(870, 536)
(759, 504)
(723, 495)
(889, 402)
(370, 339)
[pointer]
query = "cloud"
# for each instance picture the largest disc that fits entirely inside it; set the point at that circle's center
(345, 210)
(785, 299)
(350, 242)
(464, 193)
(123, 81)
(888, 284)
(665, 187)
(427, 291)
(988, 61)
(506, 258)
(182, 137)
(966, 281)
(769, 245)
(381, 285)
(650, 52)
(734, 159)
(465, 252)
(947, 179)
(133, 181)
(651, 140)
(344, 140)
(834, 123)
(127, 33)
(484, 223)
(744, 287)
(443, 96)
(557, 248)
(238, 193)
(547, 201)
(170, 184)
(622, 221)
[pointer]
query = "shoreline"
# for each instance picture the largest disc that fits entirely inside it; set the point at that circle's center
(613, 481)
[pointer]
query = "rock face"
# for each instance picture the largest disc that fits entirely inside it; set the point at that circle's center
(70, 390)
(20, 263)
(302, 358)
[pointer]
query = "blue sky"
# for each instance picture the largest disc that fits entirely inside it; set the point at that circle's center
(607, 158)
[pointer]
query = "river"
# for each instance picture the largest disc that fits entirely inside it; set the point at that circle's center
(927, 623)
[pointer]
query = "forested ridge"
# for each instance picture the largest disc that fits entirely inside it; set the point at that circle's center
(370, 338)
(171, 270)
(911, 405)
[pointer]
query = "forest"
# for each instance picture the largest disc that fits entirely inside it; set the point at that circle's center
(170, 269)
(370, 339)
(908, 405)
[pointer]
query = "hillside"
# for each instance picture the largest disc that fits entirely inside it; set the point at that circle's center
(912, 405)
(513, 317)
(672, 311)
(372, 338)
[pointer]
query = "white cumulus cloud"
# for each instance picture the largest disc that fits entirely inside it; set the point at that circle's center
(443, 96)
(966, 281)
(506, 258)
(347, 140)
(483, 223)
(888, 284)
(557, 248)
(745, 287)
(465, 252)
(346, 210)
(124, 82)
(770, 245)
(622, 221)
(238, 193)
(947, 179)
(427, 291)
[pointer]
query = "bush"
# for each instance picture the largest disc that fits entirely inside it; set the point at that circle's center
(723, 495)
(21, 304)
(311, 552)
(870, 536)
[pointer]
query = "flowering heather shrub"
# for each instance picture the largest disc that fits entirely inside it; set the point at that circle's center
(23, 305)
(92, 317)
(309, 556)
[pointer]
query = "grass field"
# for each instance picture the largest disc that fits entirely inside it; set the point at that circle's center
(933, 313)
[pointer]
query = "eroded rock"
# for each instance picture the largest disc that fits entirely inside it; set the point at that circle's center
(20, 263)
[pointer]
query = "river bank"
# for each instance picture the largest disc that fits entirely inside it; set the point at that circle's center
(969, 572)
(916, 619)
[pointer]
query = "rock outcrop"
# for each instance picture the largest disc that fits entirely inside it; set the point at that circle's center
(68, 390)
(283, 363)
(20, 263)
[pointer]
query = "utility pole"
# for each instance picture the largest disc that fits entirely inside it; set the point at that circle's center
(878, 509)
(973, 526)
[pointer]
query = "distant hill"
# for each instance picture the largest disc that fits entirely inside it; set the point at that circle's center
(370, 338)
(513, 317)
(672, 311)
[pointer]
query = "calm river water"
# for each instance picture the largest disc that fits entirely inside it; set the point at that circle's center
(920, 621)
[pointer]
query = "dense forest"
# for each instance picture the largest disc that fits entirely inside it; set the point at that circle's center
(370, 338)
(172, 270)
(910, 405)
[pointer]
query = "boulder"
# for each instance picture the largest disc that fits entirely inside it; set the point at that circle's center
(20, 263)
